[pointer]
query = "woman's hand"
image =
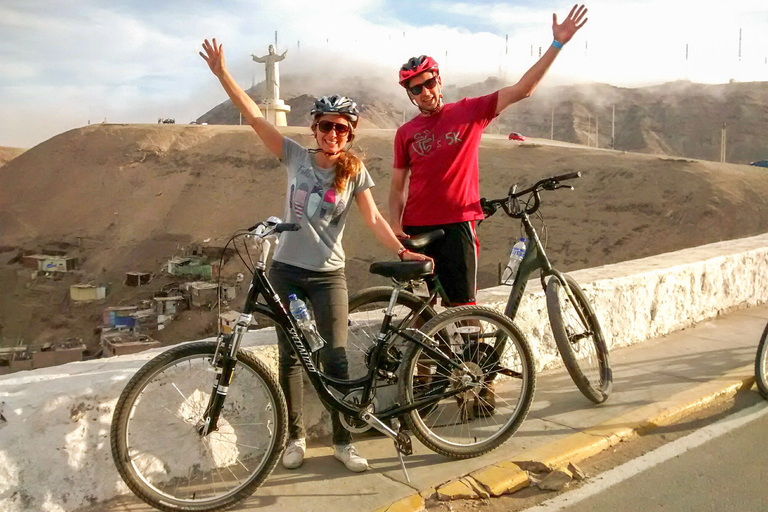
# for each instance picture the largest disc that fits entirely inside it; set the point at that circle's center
(575, 20)
(214, 57)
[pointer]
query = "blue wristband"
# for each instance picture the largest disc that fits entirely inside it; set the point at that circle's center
(557, 44)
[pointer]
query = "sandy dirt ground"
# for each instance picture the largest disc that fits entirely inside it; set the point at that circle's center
(129, 197)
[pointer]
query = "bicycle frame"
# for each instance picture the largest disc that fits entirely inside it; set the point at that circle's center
(535, 258)
(275, 310)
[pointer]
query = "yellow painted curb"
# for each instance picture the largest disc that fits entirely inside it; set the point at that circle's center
(414, 503)
(456, 490)
(585, 444)
(499, 480)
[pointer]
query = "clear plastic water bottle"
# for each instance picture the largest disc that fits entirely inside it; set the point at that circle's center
(300, 312)
(515, 257)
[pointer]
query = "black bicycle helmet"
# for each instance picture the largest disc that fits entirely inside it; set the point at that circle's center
(336, 104)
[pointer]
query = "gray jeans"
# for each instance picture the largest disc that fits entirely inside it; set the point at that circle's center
(326, 294)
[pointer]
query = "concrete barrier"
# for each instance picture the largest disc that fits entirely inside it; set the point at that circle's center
(54, 445)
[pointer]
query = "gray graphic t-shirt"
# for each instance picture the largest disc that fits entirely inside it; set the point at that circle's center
(314, 203)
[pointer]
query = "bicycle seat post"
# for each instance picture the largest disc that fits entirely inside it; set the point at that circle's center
(389, 313)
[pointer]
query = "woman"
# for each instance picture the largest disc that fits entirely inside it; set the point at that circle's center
(310, 262)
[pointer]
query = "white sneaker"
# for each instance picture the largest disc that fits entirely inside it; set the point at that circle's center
(347, 454)
(293, 456)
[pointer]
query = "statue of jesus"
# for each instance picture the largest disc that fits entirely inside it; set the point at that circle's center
(273, 75)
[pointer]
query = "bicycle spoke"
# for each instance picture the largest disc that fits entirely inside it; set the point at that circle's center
(183, 466)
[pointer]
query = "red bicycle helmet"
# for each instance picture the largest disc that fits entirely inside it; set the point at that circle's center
(416, 66)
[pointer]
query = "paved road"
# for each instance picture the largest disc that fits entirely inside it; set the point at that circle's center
(721, 467)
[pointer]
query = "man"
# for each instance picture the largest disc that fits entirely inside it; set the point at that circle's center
(436, 154)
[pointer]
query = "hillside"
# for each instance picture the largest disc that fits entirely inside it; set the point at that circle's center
(129, 197)
(680, 119)
(7, 154)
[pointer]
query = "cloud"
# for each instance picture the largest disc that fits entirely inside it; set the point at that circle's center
(137, 61)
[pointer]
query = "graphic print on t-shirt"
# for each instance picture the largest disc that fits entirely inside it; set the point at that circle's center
(314, 200)
(337, 212)
(422, 142)
(298, 200)
(329, 201)
(290, 193)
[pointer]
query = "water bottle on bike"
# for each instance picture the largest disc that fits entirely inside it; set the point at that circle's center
(300, 312)
(515, 257)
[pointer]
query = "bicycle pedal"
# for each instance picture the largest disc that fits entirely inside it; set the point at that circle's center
(404, 444)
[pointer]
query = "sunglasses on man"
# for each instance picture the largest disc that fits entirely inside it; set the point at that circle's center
(327, 126)
(429, 84)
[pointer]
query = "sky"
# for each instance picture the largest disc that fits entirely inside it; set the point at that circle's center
(65, 63)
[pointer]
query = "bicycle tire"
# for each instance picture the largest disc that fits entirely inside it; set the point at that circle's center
(488, 344)
(569, 333)
(163, 459)
(761, 365)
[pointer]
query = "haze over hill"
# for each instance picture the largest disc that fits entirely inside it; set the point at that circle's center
(7, 154)
(129, 197)
(676, 119)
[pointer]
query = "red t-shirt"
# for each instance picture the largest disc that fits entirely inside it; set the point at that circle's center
(441, 152)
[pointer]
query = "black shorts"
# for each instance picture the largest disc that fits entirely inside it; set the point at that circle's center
(455, 256)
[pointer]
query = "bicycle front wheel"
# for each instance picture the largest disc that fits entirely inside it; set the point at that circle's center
(761, 365)
(582, 345)
(485, 399)
(154, 433)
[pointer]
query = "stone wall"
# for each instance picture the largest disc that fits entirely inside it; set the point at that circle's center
(54, 445)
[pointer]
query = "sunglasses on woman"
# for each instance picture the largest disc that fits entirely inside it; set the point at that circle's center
(429, 84)
(327, 126)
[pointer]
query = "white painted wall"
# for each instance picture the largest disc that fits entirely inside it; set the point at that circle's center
(54, 444)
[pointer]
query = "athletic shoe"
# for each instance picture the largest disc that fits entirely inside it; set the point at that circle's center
(293, 456)
(347, 454)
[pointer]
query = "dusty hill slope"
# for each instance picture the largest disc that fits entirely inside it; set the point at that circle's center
(7, 154)
(127, 197)
(676, 119)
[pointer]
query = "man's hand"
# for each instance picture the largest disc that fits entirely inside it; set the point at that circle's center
(575, 20)
(397, 229)
(214, 57)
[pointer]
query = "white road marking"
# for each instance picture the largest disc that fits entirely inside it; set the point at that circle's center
(651, 459)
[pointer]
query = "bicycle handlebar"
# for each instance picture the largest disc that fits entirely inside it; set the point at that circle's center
(510, 204)
(272, 226)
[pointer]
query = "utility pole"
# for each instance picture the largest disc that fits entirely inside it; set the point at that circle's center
(506, 54)
(613, 126)
(722, 144)
(552, 124)
(739, 45)
(597, 136)
(589, 129)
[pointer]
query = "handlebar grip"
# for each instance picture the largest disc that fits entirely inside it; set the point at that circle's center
(569, 176)
(286, 226)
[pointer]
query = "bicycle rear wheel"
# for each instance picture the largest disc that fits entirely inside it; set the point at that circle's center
(154, 433)
(366, 313)
(582, 347)
(497, 378)
(761, 365)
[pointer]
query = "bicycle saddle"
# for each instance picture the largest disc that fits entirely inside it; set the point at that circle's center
(418, 242)
(402, 270)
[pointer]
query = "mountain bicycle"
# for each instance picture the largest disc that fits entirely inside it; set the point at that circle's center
(575, 326)
(202, 425)
(761, 365)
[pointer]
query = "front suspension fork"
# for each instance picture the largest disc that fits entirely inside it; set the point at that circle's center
(224, 361)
